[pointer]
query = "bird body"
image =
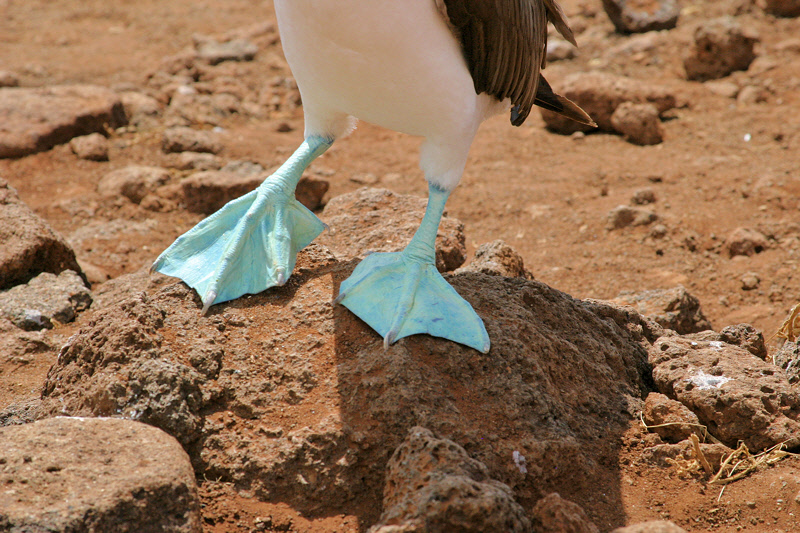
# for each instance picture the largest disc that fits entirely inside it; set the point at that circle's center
(431, 68)
(393, 63)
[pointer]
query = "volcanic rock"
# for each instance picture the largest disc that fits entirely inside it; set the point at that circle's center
(45, 300)
(721, 46)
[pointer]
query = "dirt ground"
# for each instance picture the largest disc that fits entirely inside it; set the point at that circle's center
(724, 164)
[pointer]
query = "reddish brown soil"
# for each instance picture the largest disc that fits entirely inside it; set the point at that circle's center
(544, 194)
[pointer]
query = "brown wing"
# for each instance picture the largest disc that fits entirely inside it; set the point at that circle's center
(504, 42)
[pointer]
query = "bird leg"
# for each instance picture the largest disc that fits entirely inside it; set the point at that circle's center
(401, 293)
(251, 243)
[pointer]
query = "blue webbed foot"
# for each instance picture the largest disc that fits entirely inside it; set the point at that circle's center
(399, 296)
(251, 243)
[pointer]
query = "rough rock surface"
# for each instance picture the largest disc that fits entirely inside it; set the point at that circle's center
(90, 474)
(497, 258)
(45, 300)
(741, 335)
(133, 182)
(93, 147)
(561, 373)
(215, 52)
(30, 246)
(36, 119)
(734, 393)
(651, 16)
(599, 94)
(554, 514)
(638, 123)
(721, 46)
(655, 526)
(182, 139)
(788, 358)
(378, 220)
(674, 308)
(677, 420)
(434, 486)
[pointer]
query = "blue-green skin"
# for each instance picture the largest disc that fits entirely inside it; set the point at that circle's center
(251, 245)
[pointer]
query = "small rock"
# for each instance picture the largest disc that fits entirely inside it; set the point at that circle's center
(751, 94)
(560, 50)
(8, 79)
(788, 46)
(197, 161)
(182, 139)
(735, 394)
(377, 220)
(643, 196)
(45, 300)
(133, 182)
(30, 245)
(77, 474)
(600, 94)
(677, 420)
(721, 46)
(497, 258)
(654, 526)
(726, 89)
(554, 514)
(234, 50)
(434, 486)
(243, 168)
(310, 191)
(36, 119)
(623, 216)
(284, 127)
(750, 281)
(658, 231)
(93, 147)
(639, 17)
(661, 455)
(674, 308)
(638, 123)
(782, 8)
(140, 109)
(746, 241)
(206, 192)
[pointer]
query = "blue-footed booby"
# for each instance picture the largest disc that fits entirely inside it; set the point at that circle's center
(430, 68)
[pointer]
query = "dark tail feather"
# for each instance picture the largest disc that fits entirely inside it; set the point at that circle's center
(546, 98)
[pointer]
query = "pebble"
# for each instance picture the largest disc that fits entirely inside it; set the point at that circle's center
(638, 123)
(626, 19)
(93, 147)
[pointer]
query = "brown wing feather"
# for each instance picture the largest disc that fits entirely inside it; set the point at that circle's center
(504, 42)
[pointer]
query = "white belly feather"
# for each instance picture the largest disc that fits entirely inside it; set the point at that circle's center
(393, 63)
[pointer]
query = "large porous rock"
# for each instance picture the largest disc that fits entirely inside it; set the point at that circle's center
(497, 258)
(741, 335)
(36, 119)
(673, 308)
(378, 220)
(29, 245)
(434, 486)
(600, 94)
(734, 393)
(112, 368)
(561, 383)
(782, 8)
(554, 514)
(642, 16)
(46, 300)
(133, 182)
(788, 358)
(721, 46)
(83, 474)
